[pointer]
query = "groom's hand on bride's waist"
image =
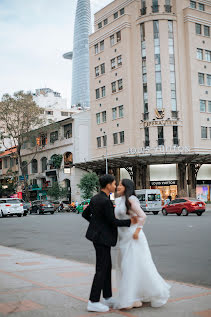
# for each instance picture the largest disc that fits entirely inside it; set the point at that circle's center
(134, 220)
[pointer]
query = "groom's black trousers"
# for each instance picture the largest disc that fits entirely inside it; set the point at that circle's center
(102, 278)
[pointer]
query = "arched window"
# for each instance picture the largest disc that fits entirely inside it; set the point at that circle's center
(34, 166)
(44, 164)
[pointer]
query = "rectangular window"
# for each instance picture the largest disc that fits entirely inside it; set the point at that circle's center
(99, 142)
(97, 91)
(96, 49)
(208, 56)
(115, 138)
(201, 78)
(105, 22)
(99, 25)
(155, 6)
(103, 91)
(206, 30)
(102, 46)
(5, 163)
(118, 36)
(113, 63)
(102, 67)
(122, 11)
(121, 137)
(68, 131)
(142, 26)
(204, 132)
(98, 118)
(201, 7)
(54, 136)
(158, 77)
(113, 87)
(198, 28)
(120, 84)
(50, 113)
(97, 71)
(146, 133)
(160, 136)
(119, 60)
(114, 113)
(209, 106)
(105, 140)
(202, 106)
(208, 80)
(64, 114)
(112, 40)
(115, 15)
(121, 112)
(104, 116)
(193, 4)
(200, 54)
(175, 135)
(156, 29)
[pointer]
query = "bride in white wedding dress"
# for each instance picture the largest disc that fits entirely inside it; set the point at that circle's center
(137, 277)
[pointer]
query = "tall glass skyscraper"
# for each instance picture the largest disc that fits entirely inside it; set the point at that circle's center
(80, 54)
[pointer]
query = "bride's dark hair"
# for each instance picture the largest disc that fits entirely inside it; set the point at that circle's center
(129, 191)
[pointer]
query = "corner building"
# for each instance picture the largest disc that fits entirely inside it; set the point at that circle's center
(150, 90)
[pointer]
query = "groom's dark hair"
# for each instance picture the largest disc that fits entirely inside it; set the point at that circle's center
(105, 180)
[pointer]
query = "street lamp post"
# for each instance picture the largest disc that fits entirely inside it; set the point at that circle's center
(105, 139)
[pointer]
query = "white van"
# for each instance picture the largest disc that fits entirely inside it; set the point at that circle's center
(10, 207)
(150, 200)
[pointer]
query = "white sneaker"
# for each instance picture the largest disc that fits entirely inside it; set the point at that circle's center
(109, 302)
(98, 307)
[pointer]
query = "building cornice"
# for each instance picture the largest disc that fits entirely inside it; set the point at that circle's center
(191, 18)
(150, 17)
(109, 33)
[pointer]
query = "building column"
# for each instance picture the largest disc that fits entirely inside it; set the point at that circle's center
(117, 174)
(192, 179)
(142, 177)
(182, 180)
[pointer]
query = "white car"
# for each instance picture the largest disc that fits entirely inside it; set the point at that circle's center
(11, 206)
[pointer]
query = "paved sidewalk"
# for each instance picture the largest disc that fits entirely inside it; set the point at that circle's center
(32, 284)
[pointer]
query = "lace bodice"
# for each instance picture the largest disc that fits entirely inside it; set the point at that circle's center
(135, 210)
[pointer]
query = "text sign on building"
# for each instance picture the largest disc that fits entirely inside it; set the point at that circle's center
(163, 183)
(160, 149)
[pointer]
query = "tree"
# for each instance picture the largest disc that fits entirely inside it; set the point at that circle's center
(19, 115)
(89, 183)
(57, 191)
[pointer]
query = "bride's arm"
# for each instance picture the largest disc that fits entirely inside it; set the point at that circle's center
(136, 208)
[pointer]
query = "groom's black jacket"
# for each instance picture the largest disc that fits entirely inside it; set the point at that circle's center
(103, 224)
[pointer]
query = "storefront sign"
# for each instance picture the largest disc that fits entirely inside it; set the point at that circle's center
(160, 123)
(163, 183)
(159, 149)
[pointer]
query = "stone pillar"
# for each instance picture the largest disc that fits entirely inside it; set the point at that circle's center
(143, 177)
(192, 179)
(182, 180)
(117, 174)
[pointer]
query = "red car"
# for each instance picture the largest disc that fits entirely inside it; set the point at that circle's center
(184, 206)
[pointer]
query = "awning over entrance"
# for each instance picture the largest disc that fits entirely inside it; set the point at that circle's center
(146, 159)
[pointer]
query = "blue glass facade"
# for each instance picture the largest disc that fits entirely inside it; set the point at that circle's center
(80, 70)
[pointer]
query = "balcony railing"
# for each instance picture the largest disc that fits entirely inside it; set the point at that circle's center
(146, 143)
(175, 141)
(174, 114)
(168, 8)
(146, 116)
(161, 141)
(143, 10)
(155, 8)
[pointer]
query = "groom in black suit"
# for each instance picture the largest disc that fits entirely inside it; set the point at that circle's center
(102, 231)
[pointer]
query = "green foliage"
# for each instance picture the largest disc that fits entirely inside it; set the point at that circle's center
(56, 160)
(89, 183)
(57, 191)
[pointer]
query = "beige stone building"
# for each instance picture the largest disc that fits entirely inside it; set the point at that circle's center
(150, 88)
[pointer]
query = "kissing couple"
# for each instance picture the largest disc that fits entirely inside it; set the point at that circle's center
(138, 280)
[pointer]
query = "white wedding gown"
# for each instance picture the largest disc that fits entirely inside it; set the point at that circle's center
(137, 276)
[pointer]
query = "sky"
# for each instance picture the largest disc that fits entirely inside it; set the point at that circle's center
(34, 34)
